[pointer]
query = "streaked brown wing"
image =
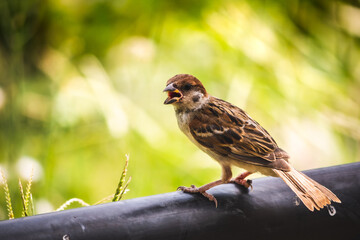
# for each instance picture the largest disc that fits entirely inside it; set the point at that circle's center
(228, 131)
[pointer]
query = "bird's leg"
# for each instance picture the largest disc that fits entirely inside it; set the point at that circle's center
(241, 180)
(226, 176)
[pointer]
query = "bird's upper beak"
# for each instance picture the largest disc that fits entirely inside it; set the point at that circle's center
(174, 95)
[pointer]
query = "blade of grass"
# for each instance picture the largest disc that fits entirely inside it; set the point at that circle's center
(28, 192)
(71, 201)
(23, 212)
(31, 209)
(7, 195)
(105, 199)
(124, 190)
(120, 187)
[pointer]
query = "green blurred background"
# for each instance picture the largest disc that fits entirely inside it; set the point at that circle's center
(81, 86)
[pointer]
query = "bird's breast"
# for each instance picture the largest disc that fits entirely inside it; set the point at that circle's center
(183, 119)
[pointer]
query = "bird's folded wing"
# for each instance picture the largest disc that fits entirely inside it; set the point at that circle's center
(228, 131)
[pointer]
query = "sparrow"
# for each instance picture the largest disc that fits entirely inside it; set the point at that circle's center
(232, 138)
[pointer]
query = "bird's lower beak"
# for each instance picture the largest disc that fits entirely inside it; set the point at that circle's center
(174, 95)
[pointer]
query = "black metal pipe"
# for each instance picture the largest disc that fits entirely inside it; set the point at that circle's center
(267, 212)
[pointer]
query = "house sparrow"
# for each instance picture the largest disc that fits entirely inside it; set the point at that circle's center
(231, 137)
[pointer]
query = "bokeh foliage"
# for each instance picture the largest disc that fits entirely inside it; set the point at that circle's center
(81, 85)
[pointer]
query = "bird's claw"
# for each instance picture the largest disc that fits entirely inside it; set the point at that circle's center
(180, 188)
(210, 197)
(191, 189)
(249, 183)
(194, 189)
(246, 183)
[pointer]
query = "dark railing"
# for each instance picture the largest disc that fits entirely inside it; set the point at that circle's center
(270, 211)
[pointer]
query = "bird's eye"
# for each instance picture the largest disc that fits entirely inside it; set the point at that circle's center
(187, 86)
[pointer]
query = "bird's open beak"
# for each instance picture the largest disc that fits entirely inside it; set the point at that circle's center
(174, 95)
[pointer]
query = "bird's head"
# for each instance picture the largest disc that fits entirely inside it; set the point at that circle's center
(185, 92)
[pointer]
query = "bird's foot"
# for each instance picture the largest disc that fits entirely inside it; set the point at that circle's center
(201, 190)
(241, 180)
(246, 183)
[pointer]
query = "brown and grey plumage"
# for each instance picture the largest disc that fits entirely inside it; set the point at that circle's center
(231, 137)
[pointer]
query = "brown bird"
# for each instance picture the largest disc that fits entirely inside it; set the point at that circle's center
(231, 137)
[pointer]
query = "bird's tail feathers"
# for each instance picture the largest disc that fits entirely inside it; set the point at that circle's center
(311, 193)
